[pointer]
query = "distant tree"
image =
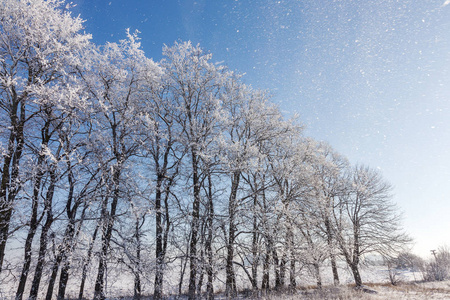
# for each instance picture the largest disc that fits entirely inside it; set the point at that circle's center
(393, 271)
(409, 261)
(404, 261)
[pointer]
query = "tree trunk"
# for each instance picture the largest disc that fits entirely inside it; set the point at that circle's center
(101, 271)
(68, 246)
(183, 267)
(230, 286)
(201, 261)
(282, 271)
(157, 294)
(292, 282)
(265, 279)
(275, 265)
(331, 249)
(53, 275)
(255, 237)
(66, 250)
(356, 275)
(316, 267)
(68, 239)
(193, 261)
(34, 222)
(137, 272)
(137, 286)
(87, 262)
(41, 259)
(201, 273)
(265, 285)
(99, 283)
(107, 228)
(27, 260)
(352, 258)
(159, 273)
(290, 237)
(27, 257)
(5, 217)
(10, 186)
(356, 254)
(334, 269)
(162, 224)
(44, 235)
(68, 242)
(208, 244)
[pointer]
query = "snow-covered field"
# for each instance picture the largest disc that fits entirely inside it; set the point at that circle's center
(375, 277)
(409, 290)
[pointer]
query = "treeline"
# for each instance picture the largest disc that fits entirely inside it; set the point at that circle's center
(176, 167)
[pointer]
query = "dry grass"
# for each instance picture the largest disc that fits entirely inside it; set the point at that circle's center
(412, 291)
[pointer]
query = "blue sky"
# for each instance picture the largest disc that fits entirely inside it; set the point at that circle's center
(370, 77)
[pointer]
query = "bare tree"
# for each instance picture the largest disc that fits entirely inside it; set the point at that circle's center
(372, 221)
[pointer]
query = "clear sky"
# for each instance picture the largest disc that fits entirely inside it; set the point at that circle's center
(370, 77)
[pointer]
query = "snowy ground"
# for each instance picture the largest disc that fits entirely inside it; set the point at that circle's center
(412, 291)
(374, 276)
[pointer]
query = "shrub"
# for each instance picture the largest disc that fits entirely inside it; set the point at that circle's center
(439, 269)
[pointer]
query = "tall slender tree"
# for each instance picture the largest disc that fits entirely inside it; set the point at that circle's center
(117, 82)
(195, 85)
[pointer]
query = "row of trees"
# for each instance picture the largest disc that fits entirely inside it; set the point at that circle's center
(175, 167)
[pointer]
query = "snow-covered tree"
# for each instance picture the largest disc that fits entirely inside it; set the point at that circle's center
(163, 153)
(328, 182)
(107, 156)
(371, 222)
(195, 84)
(118, 81)
(40, 46)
